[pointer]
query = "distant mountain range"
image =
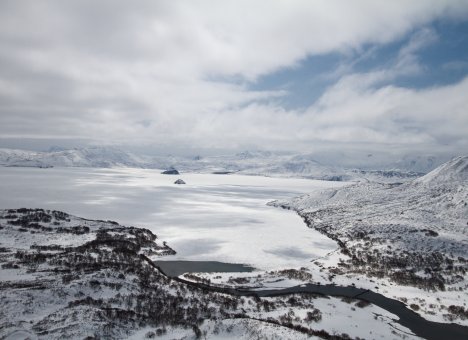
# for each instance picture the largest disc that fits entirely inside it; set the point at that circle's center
(263, 163)
(95, 157)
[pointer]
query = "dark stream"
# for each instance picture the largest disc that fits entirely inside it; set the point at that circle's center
(407, 318)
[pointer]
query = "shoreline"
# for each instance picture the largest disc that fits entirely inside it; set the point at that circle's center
(407, 318)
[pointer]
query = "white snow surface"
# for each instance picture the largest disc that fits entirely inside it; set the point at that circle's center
(424, 219)
(99, 157)
(454, 171)
(55, 303)
(262, 163)
(213, 217)
(225, 217)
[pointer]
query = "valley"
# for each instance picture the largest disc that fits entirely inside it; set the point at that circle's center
(404, 243)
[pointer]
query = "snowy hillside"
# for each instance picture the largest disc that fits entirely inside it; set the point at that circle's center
(414, 234)
(9, 157)
(98, 157)
(453, 172)
(67, 277)
(261, 163)
(419, 163)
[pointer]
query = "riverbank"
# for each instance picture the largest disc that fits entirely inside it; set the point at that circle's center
(406, 317)
(68, 277)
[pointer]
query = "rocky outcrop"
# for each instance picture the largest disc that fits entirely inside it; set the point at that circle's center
(171, 171)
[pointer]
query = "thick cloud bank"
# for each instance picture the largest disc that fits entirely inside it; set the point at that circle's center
(182, 73)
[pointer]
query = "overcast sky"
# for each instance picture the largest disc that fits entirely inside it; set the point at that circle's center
(289, 75)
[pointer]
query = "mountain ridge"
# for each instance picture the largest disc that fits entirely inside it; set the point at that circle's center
(263, 163)
(413, 234)
(454, 170)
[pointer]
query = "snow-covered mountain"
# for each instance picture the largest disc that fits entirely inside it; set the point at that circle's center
(411, 234)
(299, 166)
(248, 162)
(420, 163)
(99, 157)
(453, 172)
(263, 163)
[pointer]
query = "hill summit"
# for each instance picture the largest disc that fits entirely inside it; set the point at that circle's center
(455, 170)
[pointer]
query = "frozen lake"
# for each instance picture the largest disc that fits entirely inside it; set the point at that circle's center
(211, 218)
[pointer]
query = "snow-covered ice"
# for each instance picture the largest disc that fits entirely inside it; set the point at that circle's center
(213, 217)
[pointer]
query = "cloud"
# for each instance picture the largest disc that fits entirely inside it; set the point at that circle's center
(180, 72)
(455, 65)
(389, 114)
(408, 62)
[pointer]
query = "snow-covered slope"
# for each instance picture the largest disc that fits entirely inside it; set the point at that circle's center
(65, 277)
(99, 157)
(279, 165)
(299, 165)
(453, 172)
(413, 234)
(254, 163)
(9, 157)
(420, 163)
(262, 163)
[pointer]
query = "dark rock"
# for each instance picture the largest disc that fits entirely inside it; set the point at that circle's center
(170, 171)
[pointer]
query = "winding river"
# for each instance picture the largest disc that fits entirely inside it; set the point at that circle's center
(206, 219)
(406, 317)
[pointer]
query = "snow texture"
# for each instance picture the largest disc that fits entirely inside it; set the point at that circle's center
(250, 162)
(100, 283)
(410, 240)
